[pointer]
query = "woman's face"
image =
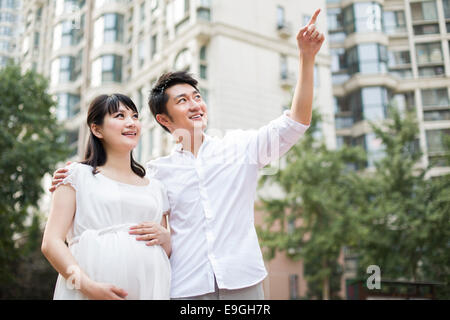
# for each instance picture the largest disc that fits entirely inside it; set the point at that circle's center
(121, 130)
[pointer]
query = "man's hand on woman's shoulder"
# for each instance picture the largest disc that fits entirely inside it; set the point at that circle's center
(58, 176)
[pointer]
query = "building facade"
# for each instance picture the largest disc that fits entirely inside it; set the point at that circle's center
(391, 52)
(10, 19)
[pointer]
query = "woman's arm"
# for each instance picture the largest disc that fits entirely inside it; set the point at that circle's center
(53, 247)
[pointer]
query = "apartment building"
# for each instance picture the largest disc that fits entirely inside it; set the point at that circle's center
(391, 52)
(9, 32)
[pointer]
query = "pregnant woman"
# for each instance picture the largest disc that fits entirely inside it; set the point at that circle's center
(94, 207)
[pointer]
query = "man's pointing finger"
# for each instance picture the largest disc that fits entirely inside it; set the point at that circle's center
(314, 17)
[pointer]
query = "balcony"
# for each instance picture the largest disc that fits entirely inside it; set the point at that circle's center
(284, 29)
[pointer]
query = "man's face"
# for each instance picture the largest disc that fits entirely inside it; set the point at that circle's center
(186, 109)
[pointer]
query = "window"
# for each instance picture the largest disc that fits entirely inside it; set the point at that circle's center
(398, 58)
(5, 31)
(394, 22)
(426, 29)
(154, 45)
(437, 97)
(316, 76)
(374, 103)
(400, 64)
(342, 141)
(367, 58)
(181, 11)
(66, 64)
(435, 141)
(446, 4)
(205, 94)
(404, 101)
(283, 67)
(67, 34)
(436, 104)
(183, 60)
(68, 106)
(280, 17)
(436, 115)
(204, 10)
(69, 6)
(71, 139)
(339, 65)
(111, 68)
(429, 53)
(343, 113)
(142, 11)
(431, 71)
(39, 14)
(100, 3)
(10, 4)
(362, 17)
(424, 11)
(293, 286)
(203, 63)
(369, 103)
(77, 64)
(429, 59)
(5, 45)
(335, 20)
(141, 53)
(154, 5)
(36, 40)
(375, 149)
(113, 27)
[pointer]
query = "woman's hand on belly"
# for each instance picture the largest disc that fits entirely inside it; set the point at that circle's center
(103, 291)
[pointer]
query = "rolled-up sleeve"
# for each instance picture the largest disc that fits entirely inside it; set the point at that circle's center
(273, 140)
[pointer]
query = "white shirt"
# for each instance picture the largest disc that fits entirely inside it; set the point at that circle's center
(212, 206)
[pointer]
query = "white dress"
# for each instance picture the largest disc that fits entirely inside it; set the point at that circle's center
(99, 239)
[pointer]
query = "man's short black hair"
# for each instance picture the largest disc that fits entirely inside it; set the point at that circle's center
(158, 98)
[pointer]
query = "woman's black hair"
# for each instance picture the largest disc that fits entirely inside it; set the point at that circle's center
(95, 155)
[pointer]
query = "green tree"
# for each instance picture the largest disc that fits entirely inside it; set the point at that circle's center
(31, 143)
(403, 225)
(318, 185)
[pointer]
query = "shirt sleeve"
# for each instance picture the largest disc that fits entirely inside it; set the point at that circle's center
(165, 201)
(273, 140)
(72, 176)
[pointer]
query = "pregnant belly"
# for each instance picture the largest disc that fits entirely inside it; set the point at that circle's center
(116, 257)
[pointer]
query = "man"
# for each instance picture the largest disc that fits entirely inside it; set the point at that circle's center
(211, 183)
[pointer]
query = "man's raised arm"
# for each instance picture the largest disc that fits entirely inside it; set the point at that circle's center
(309, 41)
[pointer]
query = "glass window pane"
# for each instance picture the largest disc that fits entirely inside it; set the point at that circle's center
(446, 4)
(429, 10)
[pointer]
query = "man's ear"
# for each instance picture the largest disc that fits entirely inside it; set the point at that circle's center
(163, 119)
(96, 131)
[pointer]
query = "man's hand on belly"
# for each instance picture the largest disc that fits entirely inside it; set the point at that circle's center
(151, 232)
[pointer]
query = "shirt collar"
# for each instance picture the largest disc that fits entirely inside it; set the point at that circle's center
(179, 147)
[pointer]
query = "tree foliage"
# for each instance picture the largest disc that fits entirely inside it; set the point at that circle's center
(316, 183)
(31, 143)
(405, 223)
(392, 215)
